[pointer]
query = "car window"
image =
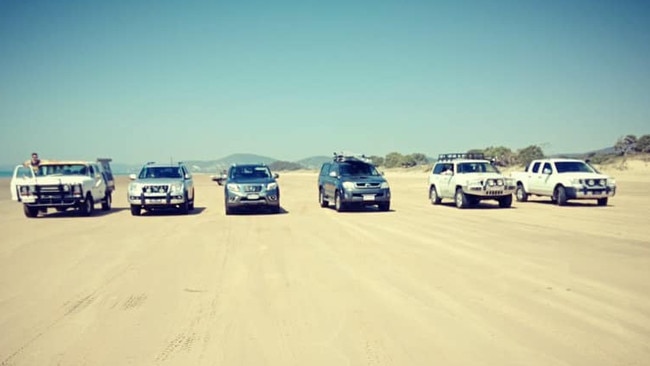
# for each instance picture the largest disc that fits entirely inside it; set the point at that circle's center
(572, 166)
(324, 170)
(547, 169)
(357, 169)
(536, 167)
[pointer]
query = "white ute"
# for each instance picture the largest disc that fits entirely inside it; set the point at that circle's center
(563, 180)
(63, 185)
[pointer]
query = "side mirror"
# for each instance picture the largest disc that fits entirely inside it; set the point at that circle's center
(276, 175)
(333, 174)
(381, 173)
(132, 176)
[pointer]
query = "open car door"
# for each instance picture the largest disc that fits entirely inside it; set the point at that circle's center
(21, 175)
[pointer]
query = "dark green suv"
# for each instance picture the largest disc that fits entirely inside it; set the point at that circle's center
(352, 181)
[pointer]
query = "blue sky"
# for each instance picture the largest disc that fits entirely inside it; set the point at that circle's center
(149, 80)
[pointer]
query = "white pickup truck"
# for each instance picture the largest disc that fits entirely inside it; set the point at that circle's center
(63, 185)
(563, 180)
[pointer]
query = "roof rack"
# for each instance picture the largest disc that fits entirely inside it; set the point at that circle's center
(453, 156)
(340, 157)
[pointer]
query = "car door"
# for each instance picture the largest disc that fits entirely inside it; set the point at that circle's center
(535, 178)
(446, 178)
(189, 183)
(22, 174)
(99, 185)
(331, 181)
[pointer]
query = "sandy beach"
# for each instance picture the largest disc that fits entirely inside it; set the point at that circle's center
(536, 284)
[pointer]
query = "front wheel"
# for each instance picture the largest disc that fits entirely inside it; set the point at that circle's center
(86, 208)
(30, 211)
(602, 201)
(321, 199)
(520, 193)
(505, 201)
(433, 196)
(461, 198)
(135, 210)
(384, 206)
(106, 204)
(338, 204)
(560, 196)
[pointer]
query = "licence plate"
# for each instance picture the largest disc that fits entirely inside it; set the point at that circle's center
(253, 196)
(156, 200)
(368, 197)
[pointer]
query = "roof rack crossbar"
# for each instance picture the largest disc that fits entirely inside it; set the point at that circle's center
(453, 156)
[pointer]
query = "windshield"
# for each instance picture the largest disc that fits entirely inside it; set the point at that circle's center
(160, 172)
(62, 169)
(250, 172)
(477, 167)
(356, 169)
(572, 166)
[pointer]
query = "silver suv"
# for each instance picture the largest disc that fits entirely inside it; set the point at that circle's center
(159, 186)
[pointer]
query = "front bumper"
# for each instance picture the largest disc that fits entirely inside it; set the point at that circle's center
(243, 199)
(366, 196)
(584, 192)
(167, 200)
(489, 191)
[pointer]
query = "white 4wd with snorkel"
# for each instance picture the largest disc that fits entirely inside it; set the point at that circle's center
(63, 185)
(468, 178)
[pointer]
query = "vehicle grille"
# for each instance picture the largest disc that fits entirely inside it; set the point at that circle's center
(595, 182)
(252, 188)
(155, 189)
(46, 189)
(367, 185)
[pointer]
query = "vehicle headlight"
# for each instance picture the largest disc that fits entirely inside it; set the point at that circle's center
(491, 182)
(135, 188)
(271, 186)
(176, 187)
(348, 185)
(232, 187)
(66, 188)
(384, 185)
(612, 182)
(602, 182)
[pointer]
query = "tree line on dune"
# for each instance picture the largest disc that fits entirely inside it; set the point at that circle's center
(502, 155)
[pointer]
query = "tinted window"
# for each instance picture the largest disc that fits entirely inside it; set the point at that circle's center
(357, 169)
(477, 167)
(536, 167)
(572, 166)
(161, 172)
(250, 172)
(324, 170)
(547, 169)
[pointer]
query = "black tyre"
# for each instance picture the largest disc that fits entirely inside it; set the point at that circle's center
(560, 196)
(338, 202)
(520, 193)
(460, 198)
(184, 207)
(107, 202)
(505, 201)
(191, 206)
(433, 196)
(384, 206)
(321, 199)
(602, 201)
(135, 210)
(30, 211)
(228, 210)
(86, 208)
